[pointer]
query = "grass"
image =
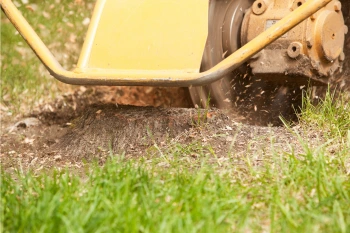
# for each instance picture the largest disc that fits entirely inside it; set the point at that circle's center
(289, 191)
(331, 114)
(24, 80)
(308, 192)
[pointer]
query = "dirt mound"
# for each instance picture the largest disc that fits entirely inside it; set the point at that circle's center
(124, 129)
(83, 127)
(72, 131)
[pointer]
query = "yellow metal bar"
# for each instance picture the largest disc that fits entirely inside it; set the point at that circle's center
(157, 77)
(88, 43)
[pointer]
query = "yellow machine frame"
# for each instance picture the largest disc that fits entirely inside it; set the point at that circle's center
(154, 77)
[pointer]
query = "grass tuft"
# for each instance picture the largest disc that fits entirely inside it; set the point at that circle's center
(331, 114)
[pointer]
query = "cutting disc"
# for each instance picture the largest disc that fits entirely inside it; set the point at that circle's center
(253, 100)
(225, 19)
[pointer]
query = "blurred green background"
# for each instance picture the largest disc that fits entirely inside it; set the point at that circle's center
(62, 25)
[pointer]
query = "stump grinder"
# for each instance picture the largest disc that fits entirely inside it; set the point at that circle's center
(218, 48)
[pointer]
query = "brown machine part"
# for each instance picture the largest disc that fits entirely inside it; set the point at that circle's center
(313, 49)
(276, 87)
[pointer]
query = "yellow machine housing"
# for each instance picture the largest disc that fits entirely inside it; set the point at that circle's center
(146, 35)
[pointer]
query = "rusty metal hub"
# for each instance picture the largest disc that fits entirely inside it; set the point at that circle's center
(225, 20)
(313, 49)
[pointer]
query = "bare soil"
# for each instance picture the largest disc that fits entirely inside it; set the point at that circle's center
(85, 126)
